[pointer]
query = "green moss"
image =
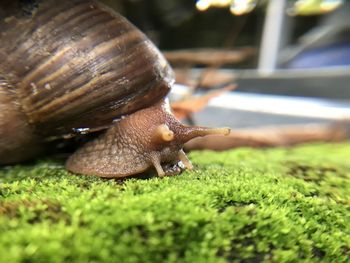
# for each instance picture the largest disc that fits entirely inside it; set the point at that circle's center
(245, 205)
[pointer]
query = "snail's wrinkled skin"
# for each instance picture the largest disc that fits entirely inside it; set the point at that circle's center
(75, 65)
(148, 138)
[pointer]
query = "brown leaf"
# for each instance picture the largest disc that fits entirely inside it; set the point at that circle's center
(183, 109)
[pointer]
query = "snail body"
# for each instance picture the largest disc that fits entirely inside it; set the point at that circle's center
(72, 66)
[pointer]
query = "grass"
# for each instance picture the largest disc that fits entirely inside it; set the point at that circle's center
(244, 205)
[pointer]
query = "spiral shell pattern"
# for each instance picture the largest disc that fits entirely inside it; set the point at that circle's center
(77, 64)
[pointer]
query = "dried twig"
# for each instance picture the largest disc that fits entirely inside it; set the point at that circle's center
(209, 77)
(208, 57)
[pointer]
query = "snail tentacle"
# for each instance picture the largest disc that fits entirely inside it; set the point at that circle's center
(184, 159)
(157, 165)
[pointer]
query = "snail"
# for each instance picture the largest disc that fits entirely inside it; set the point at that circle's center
(75, 66)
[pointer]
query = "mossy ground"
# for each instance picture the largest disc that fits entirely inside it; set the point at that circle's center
(244, 205)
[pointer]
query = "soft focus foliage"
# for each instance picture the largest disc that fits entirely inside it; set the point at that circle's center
(280, 205)
(315, 7)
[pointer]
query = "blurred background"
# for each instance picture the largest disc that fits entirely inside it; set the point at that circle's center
(290, 59)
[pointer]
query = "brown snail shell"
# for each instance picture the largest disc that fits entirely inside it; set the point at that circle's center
(71, 60)
(76, 65)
